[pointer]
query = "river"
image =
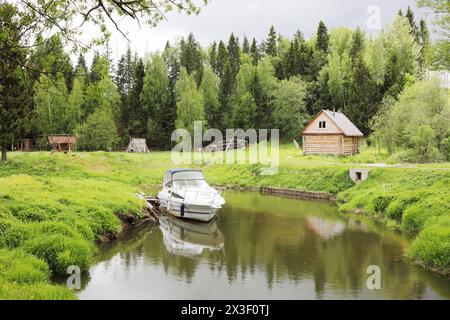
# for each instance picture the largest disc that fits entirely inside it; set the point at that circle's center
(261, 247)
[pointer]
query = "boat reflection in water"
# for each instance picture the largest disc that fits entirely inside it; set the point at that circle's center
(189, 238)
(325, 229)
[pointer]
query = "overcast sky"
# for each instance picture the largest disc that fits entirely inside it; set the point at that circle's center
(254, 17)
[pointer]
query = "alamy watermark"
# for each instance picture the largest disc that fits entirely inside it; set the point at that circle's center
(374, 280)
(74, 279)
(260, 150)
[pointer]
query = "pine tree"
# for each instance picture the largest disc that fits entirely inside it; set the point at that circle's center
(322, 38)
(271, 43)
(245, 46)
(254, 51)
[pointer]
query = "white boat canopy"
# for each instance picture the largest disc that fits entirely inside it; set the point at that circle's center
(182, 174)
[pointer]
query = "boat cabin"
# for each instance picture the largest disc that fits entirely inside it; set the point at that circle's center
(184, 178)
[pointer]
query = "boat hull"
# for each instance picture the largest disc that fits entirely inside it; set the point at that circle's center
(190, 211)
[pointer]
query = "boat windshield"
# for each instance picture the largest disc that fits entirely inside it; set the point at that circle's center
(189, 183)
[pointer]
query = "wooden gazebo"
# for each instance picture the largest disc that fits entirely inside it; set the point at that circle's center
(62, 142)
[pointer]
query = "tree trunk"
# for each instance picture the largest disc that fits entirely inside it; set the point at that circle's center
(4, 157)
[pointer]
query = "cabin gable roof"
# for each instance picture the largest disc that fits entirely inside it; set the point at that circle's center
(341, 125)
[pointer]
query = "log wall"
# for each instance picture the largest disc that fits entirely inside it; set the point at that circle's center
(322, 144)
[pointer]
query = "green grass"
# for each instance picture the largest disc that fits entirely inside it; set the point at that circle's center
(53, 207)
(414, 201)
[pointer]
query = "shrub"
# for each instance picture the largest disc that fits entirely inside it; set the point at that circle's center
(432, 245)
(35, 291)
(381, 202)
(396, 208)
(30, 212)
(13, 234)
(60, 251)
(102, 221)
(416, 215)
(20, 267)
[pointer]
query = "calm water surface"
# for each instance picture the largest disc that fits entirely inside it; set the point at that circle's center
(260, 247)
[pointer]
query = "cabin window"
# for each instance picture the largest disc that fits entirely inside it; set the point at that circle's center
(322, 124)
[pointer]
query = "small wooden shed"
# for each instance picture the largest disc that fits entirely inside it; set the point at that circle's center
(62, 142)
(331, 132)
(137, 145)
(26, 145)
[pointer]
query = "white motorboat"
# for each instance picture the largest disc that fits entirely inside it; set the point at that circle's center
(186, 194)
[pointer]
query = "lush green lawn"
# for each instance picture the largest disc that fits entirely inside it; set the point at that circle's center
(54, 206)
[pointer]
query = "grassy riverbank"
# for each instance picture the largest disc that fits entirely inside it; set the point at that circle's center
(53, 207)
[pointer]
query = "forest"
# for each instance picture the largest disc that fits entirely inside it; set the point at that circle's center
(279, 82)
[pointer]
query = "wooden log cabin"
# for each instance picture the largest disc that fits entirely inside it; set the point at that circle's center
(331, 132)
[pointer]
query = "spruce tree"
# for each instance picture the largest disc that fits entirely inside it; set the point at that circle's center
(234, 53)
(81, 69)
(245, 46)
(172, 61)
(254, 51)
(364, 97)
(15, 84)
(424, 38)
(271, 43)
(222, 59)
(226, 87)
(213, 56)
(322, 38)
(191, 57)
(357, 43)
(412, 23)
(137, 126)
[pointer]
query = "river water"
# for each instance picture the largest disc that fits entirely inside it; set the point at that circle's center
(261, 247)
